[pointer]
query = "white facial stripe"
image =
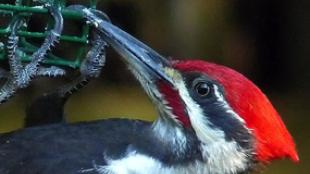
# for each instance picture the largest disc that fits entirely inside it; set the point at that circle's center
(199, 121)
(225, 105)
(165, 131)
(225, 157)
(221, 156)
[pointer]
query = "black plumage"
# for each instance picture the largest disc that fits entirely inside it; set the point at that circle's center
(70, 148)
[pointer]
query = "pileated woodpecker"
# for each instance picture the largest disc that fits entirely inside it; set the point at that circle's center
(211, 120)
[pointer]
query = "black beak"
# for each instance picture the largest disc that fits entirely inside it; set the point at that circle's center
(140, 57)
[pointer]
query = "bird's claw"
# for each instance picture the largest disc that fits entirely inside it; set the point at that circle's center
(52, 71)
(20, 75)
(90, 68)
(95, 58)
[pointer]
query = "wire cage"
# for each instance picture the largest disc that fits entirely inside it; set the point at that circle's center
(29, 8)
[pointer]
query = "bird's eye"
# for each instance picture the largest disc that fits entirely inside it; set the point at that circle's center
(202, 88)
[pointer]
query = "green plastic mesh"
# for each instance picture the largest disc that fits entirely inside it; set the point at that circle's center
(27, 9)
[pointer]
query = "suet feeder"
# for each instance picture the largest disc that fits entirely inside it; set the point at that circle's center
(28, 8)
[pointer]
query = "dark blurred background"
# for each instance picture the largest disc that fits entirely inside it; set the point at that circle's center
(266, 40)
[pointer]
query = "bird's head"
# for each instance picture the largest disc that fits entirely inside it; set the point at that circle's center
(231, 117)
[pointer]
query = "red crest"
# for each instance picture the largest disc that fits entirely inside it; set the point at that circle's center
(273, 141)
